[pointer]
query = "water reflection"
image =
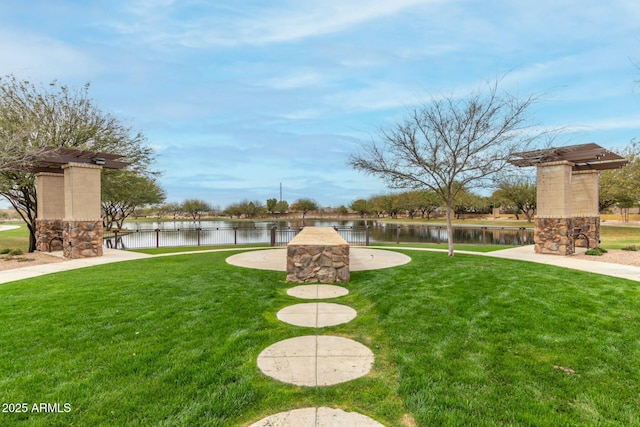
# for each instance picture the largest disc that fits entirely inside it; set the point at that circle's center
(201, 233)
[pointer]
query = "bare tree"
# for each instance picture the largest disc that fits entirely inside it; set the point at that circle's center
(450, 144)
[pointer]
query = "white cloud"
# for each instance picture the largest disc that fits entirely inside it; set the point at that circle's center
(235, 25)
(39, 57)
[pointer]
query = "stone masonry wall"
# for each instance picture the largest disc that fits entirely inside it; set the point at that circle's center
(323, 263)
(49, 235)
(84, 239)
(554, 236)
(590, 226)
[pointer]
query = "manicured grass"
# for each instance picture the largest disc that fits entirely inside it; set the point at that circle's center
(458, 341)
(443, 247)
(619, 237)
(15, 239)
(177, 250)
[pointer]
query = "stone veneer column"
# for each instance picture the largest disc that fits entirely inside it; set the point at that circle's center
(318, 254)
(554, 220)
(83, 224)
(585, 206)
(50, 211)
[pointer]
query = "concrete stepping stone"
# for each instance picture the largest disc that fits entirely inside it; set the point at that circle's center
(317, 417)
(317, 291)
(316, 360)
(317, 314)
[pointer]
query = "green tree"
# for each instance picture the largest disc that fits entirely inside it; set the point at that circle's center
(519, 193)
(282, 207)
(234, 209)
(428, 202)
(361, 206)
(452, 143)
(466, 202)
(33, 118)
(251, 209)
(304, 206)
(342, 210)
(195, 208)
(409, 201)
(383, 204)
(171, 208)
(271, 205)
(620, 186)
(125, 191)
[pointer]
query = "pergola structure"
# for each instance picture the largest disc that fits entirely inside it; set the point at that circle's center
(567, 182)
(68, 200)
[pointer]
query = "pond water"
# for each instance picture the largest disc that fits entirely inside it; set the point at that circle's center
(190, 233)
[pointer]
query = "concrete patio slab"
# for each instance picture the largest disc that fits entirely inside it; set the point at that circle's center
(317, 291)
(317, 314)
(316, 360)
(317, 417)
(361, 258)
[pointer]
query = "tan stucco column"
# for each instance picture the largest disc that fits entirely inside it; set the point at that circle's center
(50, 211)
(554, 220)
(585, 206)
(83, 223)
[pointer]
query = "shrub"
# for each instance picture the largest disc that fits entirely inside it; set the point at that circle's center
(597, 251)
(5, 251)
(16, 252)
(630, 248)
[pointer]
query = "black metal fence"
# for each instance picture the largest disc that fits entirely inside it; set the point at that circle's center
(356, 236)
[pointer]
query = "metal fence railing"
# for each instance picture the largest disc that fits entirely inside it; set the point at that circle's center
(281, 236)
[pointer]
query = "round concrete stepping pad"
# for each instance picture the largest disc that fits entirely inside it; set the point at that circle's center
(317, 417)
(316, 360)
(360, 258)
(317, 291)
(317, 314)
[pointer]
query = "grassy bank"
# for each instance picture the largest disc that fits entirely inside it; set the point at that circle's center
(458, 341)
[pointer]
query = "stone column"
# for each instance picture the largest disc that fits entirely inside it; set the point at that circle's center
(50, 211)
(554, 220)
(83, 224)
(585, 206)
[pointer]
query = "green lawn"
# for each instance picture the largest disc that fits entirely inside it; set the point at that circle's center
(458, 341)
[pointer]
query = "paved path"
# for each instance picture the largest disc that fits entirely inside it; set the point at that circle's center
(8, 227)
(526, 253)
(110, 256)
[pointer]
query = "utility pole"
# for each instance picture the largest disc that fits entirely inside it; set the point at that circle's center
(280, 191)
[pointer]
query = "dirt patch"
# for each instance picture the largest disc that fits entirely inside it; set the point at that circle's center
(615, 257)
(28, 259)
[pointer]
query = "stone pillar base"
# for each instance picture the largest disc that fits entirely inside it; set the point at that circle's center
(590, 226)
(554, 236)
(49, 235)
(318, 254)
(83, 239)
(325, 264)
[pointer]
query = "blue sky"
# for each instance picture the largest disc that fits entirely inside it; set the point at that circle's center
(237, 97)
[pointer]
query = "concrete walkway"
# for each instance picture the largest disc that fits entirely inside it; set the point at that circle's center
(526, 253)
(110, 256)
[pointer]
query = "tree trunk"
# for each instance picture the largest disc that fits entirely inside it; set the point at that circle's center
(32, 238)
(450, 228)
